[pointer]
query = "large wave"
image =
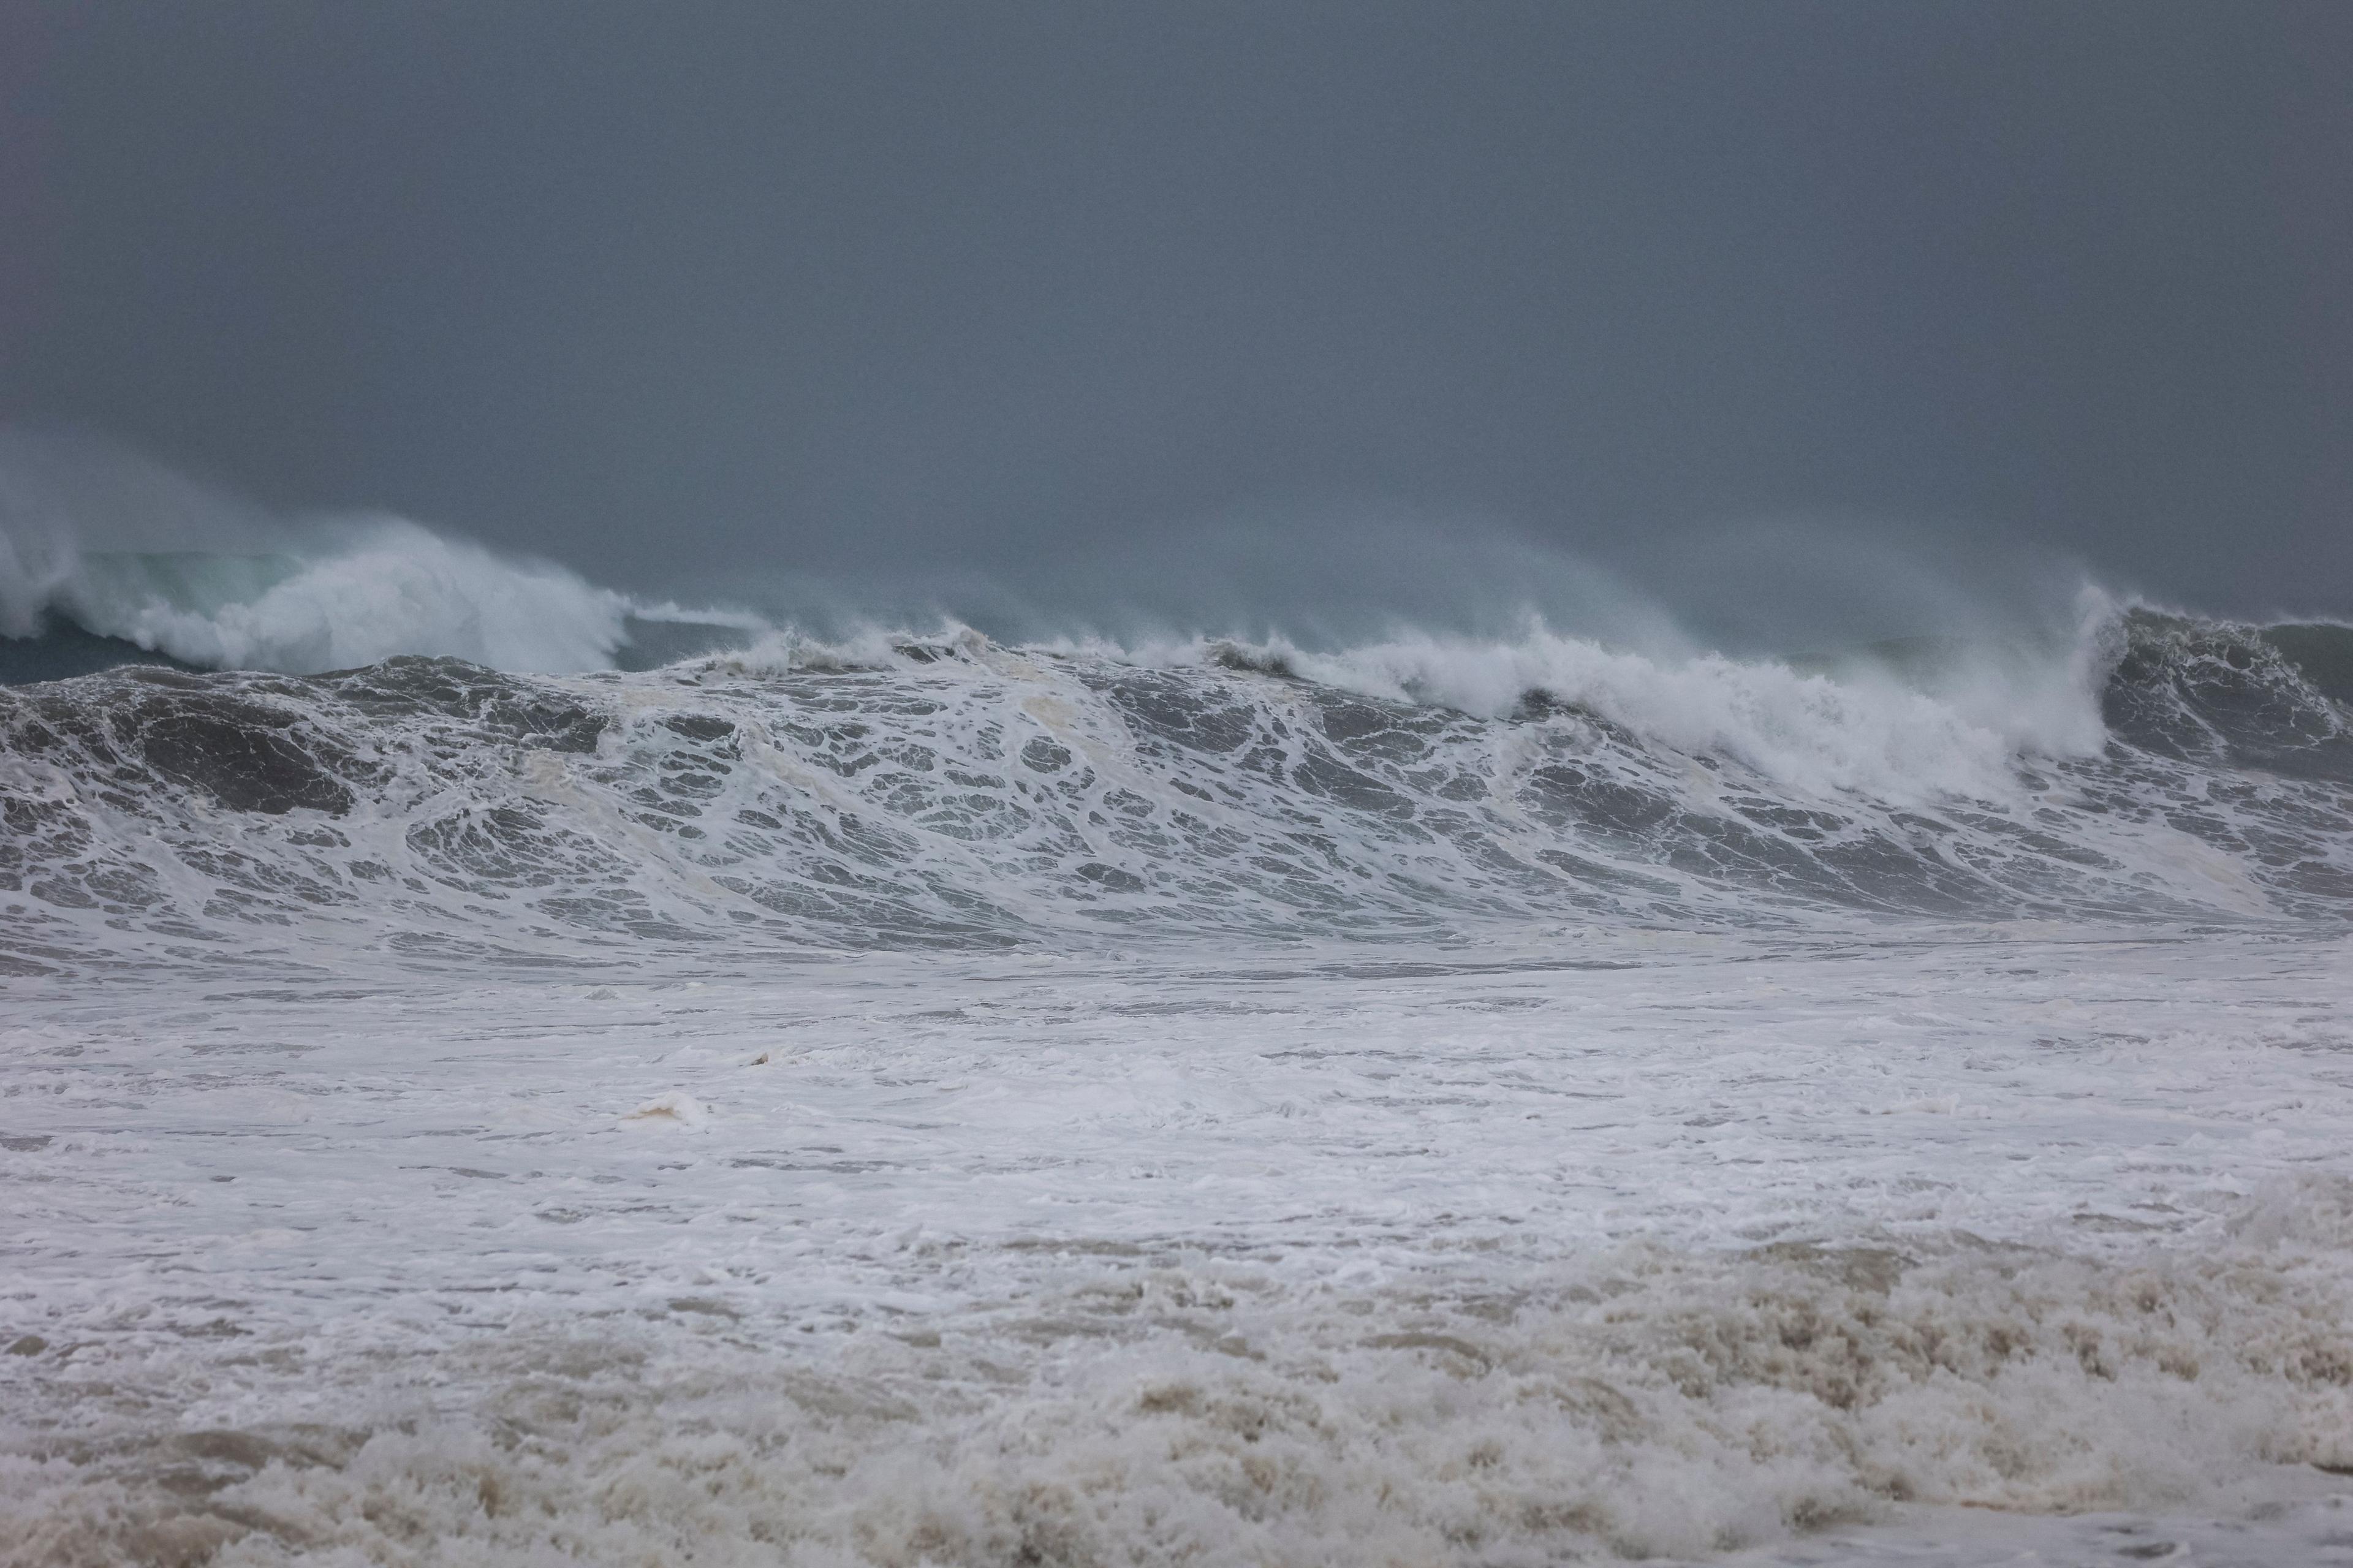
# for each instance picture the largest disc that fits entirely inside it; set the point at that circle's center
(956, 791)
(357, 728)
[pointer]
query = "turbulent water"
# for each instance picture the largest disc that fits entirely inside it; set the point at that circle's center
(922, 1100)
(962, 795)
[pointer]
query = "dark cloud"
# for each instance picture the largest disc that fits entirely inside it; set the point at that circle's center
(703, 295)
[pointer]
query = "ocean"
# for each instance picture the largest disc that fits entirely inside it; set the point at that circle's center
(495, 1073)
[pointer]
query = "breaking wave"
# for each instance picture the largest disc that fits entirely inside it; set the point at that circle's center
(107, 559)
(381, 588)
(952, 791)
(355, 729)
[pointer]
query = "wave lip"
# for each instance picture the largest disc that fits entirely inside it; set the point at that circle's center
(354, 593)
(389, 588)
(107, 558)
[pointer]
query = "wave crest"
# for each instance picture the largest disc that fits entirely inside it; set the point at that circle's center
(121, 550)
(385, 587)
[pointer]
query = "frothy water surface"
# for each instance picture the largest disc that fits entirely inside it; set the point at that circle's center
(1691, 1244)
(927, 1101)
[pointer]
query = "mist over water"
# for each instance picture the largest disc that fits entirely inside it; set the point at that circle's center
(96, 539)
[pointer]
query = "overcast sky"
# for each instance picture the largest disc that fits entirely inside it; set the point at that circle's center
(689, 294)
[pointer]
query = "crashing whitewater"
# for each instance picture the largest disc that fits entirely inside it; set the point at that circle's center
(954, 793)
(924, 1099)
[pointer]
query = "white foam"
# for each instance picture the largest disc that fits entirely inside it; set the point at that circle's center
(1644, 1405)
(1957, 729)
(1485, 1263)
(1863, 728)
(896, 790)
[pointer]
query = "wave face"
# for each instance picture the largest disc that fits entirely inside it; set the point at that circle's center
(957, 793)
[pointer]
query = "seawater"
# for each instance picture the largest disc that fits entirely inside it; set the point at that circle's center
(1974, 1240)
(916, 1099)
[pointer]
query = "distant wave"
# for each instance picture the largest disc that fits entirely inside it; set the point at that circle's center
(368, 589)
(105, 558)
(390, 588)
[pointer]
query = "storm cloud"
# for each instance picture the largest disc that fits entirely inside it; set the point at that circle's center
(1027, 303)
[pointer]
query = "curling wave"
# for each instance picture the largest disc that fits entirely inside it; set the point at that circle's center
(107, 559)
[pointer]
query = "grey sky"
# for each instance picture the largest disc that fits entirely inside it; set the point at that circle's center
(692, 294)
